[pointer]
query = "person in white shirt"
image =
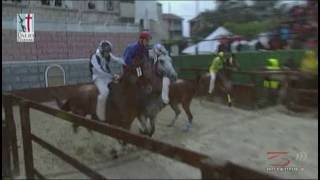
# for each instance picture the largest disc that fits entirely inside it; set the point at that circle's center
(101, 74)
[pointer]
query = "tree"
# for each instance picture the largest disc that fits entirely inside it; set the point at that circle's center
(235, 13)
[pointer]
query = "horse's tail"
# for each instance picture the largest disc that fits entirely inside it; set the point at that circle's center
(198, 78)
(63, 106)
(196, 85)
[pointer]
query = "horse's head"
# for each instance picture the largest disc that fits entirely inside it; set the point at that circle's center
(164, 66)
(140, 74)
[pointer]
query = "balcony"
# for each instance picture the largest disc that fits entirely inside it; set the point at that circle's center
(175, 27)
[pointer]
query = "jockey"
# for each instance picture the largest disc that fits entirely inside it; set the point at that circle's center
(309, 63)
(101, 74)
(137, 49)
(216, 65)
(272, 64)
(271, 83)
(160, 52)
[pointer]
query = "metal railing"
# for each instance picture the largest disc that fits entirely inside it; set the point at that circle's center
(278, 74)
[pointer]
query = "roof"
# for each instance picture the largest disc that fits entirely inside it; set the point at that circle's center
(207, 47)
(170, 16)
(196, 18)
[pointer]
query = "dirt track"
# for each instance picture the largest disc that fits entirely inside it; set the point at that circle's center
(241, 136)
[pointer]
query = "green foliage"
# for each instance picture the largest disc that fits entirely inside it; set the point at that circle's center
(252, 28)
(239, 18)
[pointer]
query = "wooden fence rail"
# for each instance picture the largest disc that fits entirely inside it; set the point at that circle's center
(6, 160)
(209, 167)
(11, 136)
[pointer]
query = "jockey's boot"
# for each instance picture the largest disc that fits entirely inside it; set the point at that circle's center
(165, 90)
(165, 100)
(229, 100)
(101, 106)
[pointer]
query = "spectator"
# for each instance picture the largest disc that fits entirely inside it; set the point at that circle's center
(284, 35)
(271, 85)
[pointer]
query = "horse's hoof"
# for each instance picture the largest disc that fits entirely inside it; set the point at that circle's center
(113, 154)
(146, 133)
(170, 125)
(187, 128)
(90, 131)
(143, 132)
(75, 130)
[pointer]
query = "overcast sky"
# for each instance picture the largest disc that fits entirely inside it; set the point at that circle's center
(187, 10)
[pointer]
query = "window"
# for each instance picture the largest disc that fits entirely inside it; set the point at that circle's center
(45, 2)
(91, 5)
(109, 5)
(127, 20)
(55, 76)
(58, 3)
(141, 24)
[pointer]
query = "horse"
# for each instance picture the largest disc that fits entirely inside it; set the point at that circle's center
(180, 92)
(223, 80)
(183, 91)
(124, 101)
(162, 66)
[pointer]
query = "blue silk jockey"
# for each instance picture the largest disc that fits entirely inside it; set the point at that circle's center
(137, 49)
(101, 74)
(160, 53)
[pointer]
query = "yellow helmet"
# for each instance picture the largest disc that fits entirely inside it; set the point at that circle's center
(273, 62)
(220, 54)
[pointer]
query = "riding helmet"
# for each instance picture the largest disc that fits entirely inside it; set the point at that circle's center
(105, 46)
(145, 35)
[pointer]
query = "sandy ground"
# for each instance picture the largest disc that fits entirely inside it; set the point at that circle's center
(241, 136)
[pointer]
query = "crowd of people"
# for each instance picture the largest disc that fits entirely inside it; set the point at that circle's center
(298, 32)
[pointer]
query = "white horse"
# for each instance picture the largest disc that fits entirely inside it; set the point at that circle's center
(166, 73)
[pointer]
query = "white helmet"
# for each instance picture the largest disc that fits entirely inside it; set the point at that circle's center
(105, 46)
(159, 49)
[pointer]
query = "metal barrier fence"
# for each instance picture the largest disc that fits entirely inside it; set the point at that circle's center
(302, 98)
(210, 168)
(248, 61)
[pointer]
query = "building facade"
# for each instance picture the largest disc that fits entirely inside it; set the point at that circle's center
(148, 16)
(66, 33)
(173, 23)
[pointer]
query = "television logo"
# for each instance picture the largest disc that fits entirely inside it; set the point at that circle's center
(281, 161)
(25, 27)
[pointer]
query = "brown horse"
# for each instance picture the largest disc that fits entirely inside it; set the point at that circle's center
(223, 83)
(126, 99)
(180, 92)
(183, 91)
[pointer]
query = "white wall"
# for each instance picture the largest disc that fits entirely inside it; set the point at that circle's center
(127, 10)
